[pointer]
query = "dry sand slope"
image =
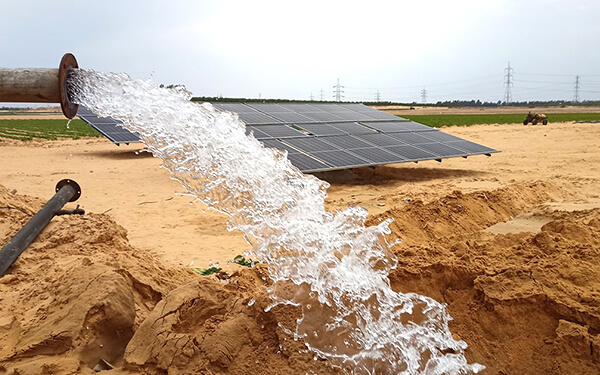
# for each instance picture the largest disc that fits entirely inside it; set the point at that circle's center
(510, 243)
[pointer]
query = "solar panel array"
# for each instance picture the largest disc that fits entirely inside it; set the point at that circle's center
(108, 127)
(326, 136)
(319, 136)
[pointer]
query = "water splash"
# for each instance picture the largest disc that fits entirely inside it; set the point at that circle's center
(328, 263)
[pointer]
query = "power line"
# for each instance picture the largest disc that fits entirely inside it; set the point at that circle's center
(474, 79)
(547, 75)
(557, 75)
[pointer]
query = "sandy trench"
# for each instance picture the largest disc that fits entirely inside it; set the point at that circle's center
(508, 242)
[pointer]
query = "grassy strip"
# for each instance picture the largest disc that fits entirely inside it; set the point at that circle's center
(45, 129)
(466, 120)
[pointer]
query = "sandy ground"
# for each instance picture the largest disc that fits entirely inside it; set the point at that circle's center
(509, 242)
(128, 184)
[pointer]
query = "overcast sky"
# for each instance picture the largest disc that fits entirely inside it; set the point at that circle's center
(280, 49)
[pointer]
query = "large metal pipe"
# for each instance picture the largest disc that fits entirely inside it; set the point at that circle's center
(39, 85)
(66, 191)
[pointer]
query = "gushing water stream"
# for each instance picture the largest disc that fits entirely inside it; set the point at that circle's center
(328, 263)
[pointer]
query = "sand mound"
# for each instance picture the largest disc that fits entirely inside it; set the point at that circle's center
(77, 294)
(80, 296)
(527, 302)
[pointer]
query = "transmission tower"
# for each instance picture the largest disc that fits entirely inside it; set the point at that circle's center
(311, 97)
(337, 92)
(508, 83)
(322, 94)
(378, 96)
(423, 95)
(576, 88)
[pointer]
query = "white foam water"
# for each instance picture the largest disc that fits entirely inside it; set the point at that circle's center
(329, 263)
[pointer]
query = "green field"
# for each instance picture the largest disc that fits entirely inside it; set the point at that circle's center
(29, 129)
(466, 120)
(26, 130)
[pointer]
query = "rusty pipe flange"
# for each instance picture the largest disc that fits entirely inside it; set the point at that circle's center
(73, 184)
(68, 61)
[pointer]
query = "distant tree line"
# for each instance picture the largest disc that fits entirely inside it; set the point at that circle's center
(448, 103)
(531, 103)
(252, 100)
(12, 108)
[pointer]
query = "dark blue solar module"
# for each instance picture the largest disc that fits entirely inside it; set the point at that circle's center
(307, 163)
(321, 129)
(341, 159)
(346, 141)
(412, 153)
(310, 144)
(280, 131)
(108, 127)
(377, 155)
(353, 128)
(442, 150)
(323, 116)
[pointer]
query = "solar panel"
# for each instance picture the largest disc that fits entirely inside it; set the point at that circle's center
(415, 127)
(327, 136)
(253, 118)
(328, 107)
(306, 163)
(300, 107)
(268, 107)
(379, 139)
(410, 138)
(353, 128)
(411, 153)
(471, 147)
(321, 129)
(352, 116)
(439, 136)
(280, 131)
(290, 117)
(310, 144)
(442, 150)
(371, 112)
(274, 143)
(377, 155)
(234, 107)
(258, 134)
(323, 116)
(346, 141)
(387, 126)
(341, 159)
(108, 127)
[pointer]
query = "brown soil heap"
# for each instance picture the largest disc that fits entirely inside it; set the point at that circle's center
(81, 296)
